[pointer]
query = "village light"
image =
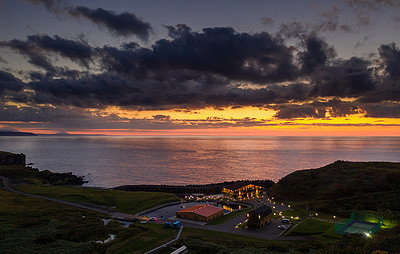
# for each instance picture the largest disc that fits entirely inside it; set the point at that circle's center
(316, 214)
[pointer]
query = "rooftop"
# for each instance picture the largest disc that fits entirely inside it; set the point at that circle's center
(237, 185)
(208, 210)
(263, 210)
(203, 210)
(192, 208)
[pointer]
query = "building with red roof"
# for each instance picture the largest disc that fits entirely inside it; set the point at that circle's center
(200, 213)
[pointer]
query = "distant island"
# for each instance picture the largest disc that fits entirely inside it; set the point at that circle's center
(16, 133)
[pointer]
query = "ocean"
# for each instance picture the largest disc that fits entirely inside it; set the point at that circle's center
(110, 161)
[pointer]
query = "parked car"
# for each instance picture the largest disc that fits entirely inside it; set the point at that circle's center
(285, 221)
(283, 227)
(153, 218)
(177, 224)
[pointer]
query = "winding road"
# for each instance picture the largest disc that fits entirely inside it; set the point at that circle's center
(5, 185)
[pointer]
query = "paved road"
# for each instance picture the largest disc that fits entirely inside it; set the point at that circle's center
(92, 207)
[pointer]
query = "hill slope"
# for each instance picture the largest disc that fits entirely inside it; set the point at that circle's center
(342, 186)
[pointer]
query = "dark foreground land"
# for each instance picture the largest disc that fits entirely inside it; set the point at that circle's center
(34, 225)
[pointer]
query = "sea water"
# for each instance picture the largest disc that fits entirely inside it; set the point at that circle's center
(109, 161)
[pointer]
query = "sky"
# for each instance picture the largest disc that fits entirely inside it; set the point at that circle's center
(273, 68)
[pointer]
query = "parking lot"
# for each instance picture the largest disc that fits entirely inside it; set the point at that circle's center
(270, 231)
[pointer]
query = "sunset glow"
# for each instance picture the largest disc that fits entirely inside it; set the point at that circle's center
(326, 71)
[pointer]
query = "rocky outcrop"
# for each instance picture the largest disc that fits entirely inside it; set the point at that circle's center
(12, 159)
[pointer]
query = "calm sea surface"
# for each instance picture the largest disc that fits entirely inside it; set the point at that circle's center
(114, 161)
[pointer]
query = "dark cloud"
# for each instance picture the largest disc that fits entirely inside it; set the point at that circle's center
(38, 47)
(317, 54)
(185, 90)
(385, 109)
(256, 57)
(330, 76)
(9, 82)
(161, 117)
(317, 109)
(34, 56)
(124, 24)
(217, 67)
(299, 111)
(77, 51)
(390, 55)
(387, 75)
(178, 30)
(345, 78)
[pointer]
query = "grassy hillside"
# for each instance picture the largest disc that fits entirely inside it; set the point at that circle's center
(339, 179)
(126, 201)
(344, 186)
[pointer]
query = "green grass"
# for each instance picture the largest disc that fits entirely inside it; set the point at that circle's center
(20, 174)
(126, 201)
(151, 236)
(216, 236)
(338, 180)
(31, 225)
(287, 214)
(229, 216)
(207, 241)
(314, 227)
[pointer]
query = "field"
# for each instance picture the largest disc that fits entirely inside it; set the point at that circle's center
(39, 226)
(32, 225)
(125, 201)
(315, 227)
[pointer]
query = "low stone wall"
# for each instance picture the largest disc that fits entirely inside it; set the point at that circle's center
(12, 159)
